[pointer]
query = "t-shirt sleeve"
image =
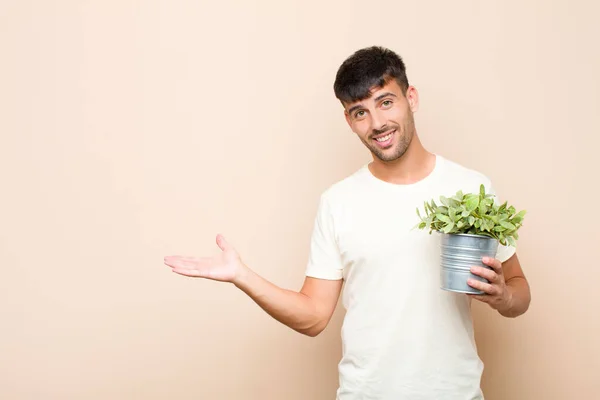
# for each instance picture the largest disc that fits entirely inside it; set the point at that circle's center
(504, 251)
(324, 260)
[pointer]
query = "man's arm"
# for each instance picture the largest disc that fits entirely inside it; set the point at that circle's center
(519, 294)
(508, 291)
(307, 311)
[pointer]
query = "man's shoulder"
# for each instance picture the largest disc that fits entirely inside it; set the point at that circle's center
(461, 172)
(347, 186)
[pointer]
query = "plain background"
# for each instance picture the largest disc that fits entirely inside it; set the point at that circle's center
(131, 130)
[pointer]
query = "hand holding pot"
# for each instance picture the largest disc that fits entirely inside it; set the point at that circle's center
(496, 293)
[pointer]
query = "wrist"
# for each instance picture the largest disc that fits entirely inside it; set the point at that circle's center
(240, 279)
(507, 304)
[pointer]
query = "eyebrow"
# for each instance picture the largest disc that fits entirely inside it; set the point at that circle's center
(381, 96)
(356, 107)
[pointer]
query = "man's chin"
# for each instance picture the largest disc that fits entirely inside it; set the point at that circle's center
(388, 155)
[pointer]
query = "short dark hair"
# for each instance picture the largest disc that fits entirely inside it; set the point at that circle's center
(367, 68)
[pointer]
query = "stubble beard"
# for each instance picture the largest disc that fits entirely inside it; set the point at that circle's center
(405, 137)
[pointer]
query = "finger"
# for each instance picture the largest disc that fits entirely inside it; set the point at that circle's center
(187, 272)
(187, 262)
(494, 263)
(486, 273)
(174, 261)
(484, 287)
(222, 243)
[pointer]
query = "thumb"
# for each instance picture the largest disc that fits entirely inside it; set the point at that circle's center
(222, 243)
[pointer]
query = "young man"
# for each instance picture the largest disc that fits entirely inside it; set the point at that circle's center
(403, 337)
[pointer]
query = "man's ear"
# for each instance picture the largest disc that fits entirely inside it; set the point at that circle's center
(412, 95)
(347, 118)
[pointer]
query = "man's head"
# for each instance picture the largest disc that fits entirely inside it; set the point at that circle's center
(378, 101)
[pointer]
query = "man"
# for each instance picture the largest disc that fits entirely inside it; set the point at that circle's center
(403, 337)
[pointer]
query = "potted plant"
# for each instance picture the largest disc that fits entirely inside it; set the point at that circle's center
(472, 226)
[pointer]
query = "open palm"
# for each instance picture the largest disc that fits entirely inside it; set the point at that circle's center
(224, 267)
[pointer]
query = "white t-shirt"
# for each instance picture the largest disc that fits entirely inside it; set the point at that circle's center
(402, 337)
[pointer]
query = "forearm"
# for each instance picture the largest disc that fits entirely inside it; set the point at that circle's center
(292, 308)
(518, 299)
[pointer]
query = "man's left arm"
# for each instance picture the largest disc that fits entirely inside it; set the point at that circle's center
(508, 291)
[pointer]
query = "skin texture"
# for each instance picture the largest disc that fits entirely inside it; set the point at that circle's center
(404, 160)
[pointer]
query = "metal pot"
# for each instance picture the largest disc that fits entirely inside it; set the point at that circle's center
(460, 252)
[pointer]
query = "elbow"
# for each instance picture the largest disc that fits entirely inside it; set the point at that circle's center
(313, 330)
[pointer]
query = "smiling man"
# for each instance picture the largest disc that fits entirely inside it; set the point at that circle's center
(403, 337)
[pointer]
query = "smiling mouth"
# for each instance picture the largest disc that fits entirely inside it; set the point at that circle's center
(386, 139)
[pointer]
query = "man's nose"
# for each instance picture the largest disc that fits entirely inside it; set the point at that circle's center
(378, 121)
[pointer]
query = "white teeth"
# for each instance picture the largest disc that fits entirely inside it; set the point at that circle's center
(384, 138)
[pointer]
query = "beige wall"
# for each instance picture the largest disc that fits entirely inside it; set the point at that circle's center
(132, 130)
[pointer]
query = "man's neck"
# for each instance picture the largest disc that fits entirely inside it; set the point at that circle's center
(414, 165)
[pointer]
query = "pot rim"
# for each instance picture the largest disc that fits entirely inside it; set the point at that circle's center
(470, 235)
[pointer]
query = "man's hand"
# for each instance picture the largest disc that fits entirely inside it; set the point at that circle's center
(226, 267)
(307, 311)
(497, 294)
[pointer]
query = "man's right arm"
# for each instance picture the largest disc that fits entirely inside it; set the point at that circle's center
(307, 311)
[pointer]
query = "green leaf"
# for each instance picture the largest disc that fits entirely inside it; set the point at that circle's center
(482, 208)
(448, 227)
(441, 210)
(444, 218)
(507, 225)
(472, 203)
(502, 207)
(452, 213)
(518, 217)
(485, 226)
(426, 204)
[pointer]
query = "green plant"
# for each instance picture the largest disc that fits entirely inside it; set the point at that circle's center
(472, 213)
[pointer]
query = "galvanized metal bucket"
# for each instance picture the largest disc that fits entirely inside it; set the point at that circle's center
(460, 252)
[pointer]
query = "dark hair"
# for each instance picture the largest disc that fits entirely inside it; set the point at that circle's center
(367, 68)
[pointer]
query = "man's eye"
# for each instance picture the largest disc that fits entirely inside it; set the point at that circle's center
(359, 114)
(387, 103)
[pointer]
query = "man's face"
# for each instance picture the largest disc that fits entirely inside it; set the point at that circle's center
(384, 121)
